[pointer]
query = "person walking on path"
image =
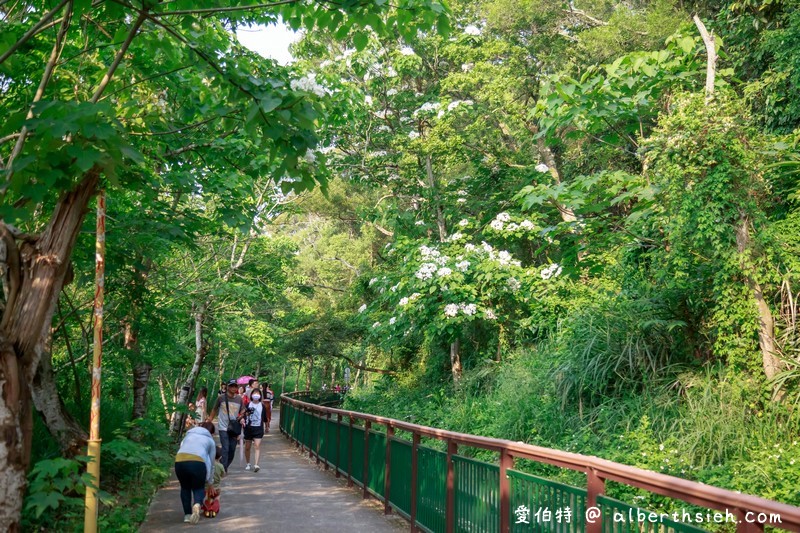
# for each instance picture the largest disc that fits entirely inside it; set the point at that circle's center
(268, 400)
(255, 420)
(228, 407)
(200, 404)
(194, 467)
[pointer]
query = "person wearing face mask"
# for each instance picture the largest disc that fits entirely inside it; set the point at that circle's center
(255, 421)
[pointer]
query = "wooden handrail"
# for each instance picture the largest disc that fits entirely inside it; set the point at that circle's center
(598, 470)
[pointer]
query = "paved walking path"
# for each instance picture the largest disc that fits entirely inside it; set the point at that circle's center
(289, 494)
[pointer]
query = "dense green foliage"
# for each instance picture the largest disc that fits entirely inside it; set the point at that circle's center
(515, 218)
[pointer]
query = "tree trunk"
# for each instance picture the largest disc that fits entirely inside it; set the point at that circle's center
(299, 369)
(63, 427)
(164, 402)
(549, 159)
(455, 360)
(766, 322)
(201, 348)
(310, 371)
(35, 275)
(141, 378)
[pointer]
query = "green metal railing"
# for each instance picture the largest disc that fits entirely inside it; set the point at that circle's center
(442, 491)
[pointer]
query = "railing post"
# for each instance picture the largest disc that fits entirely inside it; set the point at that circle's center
(452, 449)
(595, 486)
(365, 475)
(319, 435)
(327, 426)
(338, 444)
(387, 484)
(506, 462)
(350, 452)
(414, 461)
(298, 443)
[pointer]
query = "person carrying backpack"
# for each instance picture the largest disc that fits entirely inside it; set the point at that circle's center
(229, 408)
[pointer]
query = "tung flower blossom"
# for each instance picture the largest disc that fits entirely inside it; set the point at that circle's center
(309, 84)
(404, 300)
(392, 321)
(526, 225)
(450, 310)
(463, 223)
(541, 167)
(376, 325)
(463, 266)
(503, 217)
(469, 309)
(514, 284)
(497, 225)
(407, 51)
(490, 314)
(426, 271)
(553, 271)
(444, 272)
(472, 30)
(362, 308)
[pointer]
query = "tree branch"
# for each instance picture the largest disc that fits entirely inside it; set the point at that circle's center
(33, 31)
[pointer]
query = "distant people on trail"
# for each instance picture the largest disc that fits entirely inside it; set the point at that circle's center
(337, 388)
(324, 387)
(228, 406)
(201, 404)
(194, 466)
(268, 400)
(255, 421)
(211, 503)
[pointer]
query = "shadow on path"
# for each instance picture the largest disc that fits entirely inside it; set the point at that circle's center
(289, 494)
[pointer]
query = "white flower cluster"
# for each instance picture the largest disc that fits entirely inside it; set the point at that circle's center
(419, 223)
(463, 265)
(466, 67)
(472, 30)
(309, 157)
(456, 236)
(426, 271)
(362, 308)
(553, 271)
(392, 321)
(541, 167)
(427, 107)
(407, 51)
(464, 223)
(376, 325)
(309, 84)
(373, 281)
(413, 135)
(514, 284)
(489, 314)
(391, 92)
(405, 300)
(385, 113)
(451, 310)
(502, 222)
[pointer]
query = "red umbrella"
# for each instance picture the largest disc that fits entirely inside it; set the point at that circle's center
(244, 380)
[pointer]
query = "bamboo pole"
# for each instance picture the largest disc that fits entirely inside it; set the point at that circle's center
(93, 466)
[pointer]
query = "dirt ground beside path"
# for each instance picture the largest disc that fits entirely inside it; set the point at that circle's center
(289, 494)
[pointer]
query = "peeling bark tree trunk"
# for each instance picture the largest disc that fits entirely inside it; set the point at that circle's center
(35, 276)
(69, 434)
(141, 378)
(201, 348)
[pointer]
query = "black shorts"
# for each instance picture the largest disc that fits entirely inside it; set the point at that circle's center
(253, 432)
